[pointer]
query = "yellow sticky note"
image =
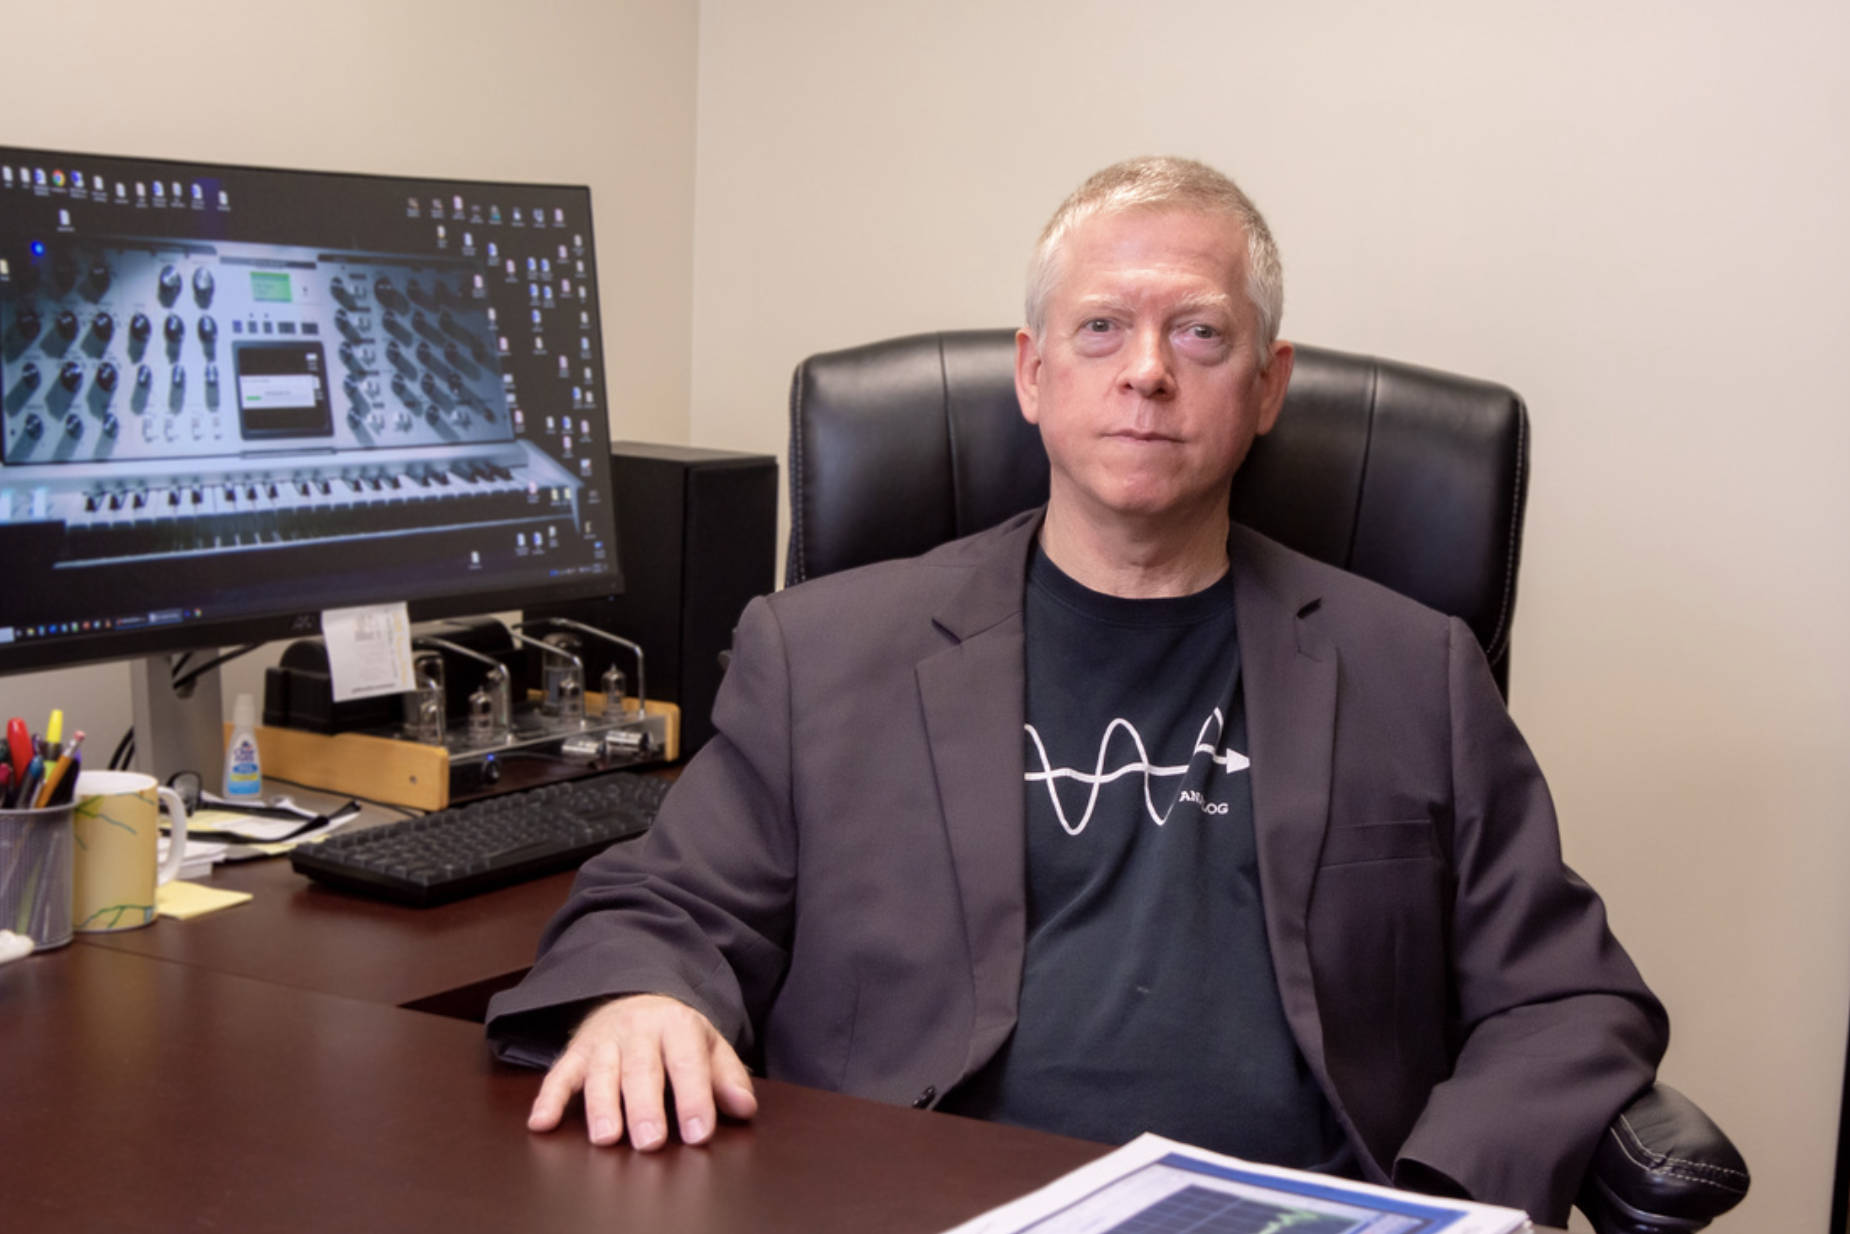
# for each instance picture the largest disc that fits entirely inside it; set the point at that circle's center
(182, 901)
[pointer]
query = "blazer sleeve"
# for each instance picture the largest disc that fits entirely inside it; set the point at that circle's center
(699, 907)
(1558, 1031)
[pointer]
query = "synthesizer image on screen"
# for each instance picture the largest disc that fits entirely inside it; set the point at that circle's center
(230, 397)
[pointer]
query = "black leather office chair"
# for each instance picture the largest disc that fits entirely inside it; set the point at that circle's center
(1412, 478)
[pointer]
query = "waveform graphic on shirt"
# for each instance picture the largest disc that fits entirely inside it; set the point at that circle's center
(1228, 760)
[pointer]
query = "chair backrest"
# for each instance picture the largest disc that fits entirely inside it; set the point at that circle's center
(1409, 477)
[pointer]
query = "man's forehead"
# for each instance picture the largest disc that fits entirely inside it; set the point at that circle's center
(1132, 293)
(1165, 234)
(1110, 255)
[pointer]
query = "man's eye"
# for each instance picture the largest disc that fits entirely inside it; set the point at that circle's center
(1200, 331)
(1098, 325)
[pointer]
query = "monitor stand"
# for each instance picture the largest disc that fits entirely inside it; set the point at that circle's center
(178, 731)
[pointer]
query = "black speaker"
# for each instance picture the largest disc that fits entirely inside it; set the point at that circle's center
(696, 540)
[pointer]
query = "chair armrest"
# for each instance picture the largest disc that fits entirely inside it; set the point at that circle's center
(1662, 1166)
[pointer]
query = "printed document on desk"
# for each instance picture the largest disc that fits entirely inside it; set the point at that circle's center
(1153, 1185)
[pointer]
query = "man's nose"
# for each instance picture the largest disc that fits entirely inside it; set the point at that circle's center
(1148, 367)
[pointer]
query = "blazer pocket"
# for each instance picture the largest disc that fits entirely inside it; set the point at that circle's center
(1400, 840)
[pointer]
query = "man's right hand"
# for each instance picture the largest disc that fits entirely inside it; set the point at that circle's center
(627, 1055)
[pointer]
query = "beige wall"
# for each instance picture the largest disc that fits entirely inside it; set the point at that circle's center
(1631, 212)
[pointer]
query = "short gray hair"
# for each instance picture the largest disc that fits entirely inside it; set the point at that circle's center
(1162, 183)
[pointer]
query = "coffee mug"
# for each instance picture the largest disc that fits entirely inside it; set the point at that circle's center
(117, 833)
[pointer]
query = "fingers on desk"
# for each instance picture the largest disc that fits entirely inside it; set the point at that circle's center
(562, 1082)
(627, 1056)
(732, 1082)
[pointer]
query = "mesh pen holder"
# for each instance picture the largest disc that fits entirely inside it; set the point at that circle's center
(35, 874)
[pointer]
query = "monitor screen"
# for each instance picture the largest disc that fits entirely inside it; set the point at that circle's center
(237, 397)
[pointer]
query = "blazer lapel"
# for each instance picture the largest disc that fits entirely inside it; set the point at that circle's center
(972, 697)
(1290, 681)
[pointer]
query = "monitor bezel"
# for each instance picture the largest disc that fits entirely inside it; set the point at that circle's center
(74, 650)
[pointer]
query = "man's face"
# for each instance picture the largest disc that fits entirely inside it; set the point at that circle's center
(1147, 385)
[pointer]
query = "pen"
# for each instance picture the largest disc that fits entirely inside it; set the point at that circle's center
(30, 784)
(56, 792)
(74, 753)
(6, 786)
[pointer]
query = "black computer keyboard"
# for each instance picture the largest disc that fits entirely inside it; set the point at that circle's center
(483, 845)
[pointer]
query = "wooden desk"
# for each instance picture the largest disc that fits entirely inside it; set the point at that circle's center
(144, 1094)
(264, 1069)
(303, 934)
(300, 933)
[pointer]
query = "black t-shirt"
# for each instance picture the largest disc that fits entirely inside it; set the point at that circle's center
(1148, 1001)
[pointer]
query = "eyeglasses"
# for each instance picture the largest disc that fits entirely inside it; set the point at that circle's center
(193, 796)
(190, 788)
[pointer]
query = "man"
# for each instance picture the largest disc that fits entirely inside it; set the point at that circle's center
(1117, 817)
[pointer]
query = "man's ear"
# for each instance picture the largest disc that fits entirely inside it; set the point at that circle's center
(1028, 376)
(1273, 384)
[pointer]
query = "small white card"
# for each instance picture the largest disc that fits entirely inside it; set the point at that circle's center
(369, 651)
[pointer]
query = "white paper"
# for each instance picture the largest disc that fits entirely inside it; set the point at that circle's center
(1154, 1184)
(369, 651)
(201, 856)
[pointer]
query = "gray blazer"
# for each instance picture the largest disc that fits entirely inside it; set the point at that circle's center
(837, 878)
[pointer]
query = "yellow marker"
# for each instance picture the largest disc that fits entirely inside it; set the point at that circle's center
(54, 732)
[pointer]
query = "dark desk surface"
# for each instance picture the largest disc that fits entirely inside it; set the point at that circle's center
(262, 1068)
(144, 1094)
(302, 934)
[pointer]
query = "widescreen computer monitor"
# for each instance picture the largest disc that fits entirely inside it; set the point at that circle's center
(237, 397)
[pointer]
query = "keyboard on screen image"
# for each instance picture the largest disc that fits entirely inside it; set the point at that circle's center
(484, 845)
